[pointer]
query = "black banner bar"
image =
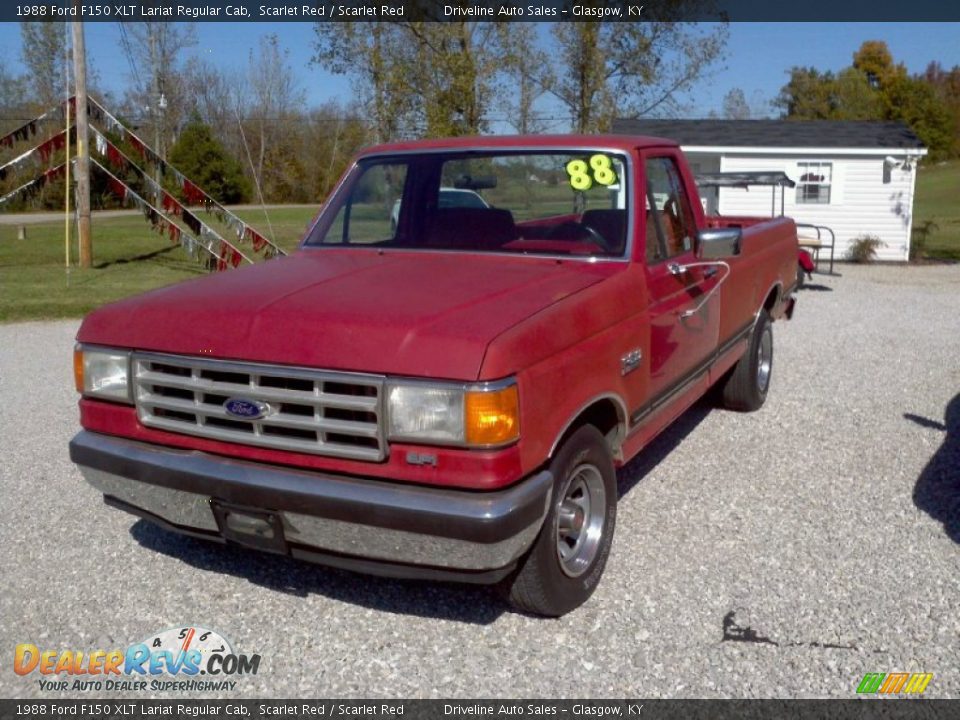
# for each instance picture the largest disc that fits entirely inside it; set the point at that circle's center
(855, 709)
(482, 10)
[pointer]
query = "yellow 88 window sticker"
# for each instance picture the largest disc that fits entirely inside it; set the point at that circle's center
(599, 170)
(603, 171)
(579, 173)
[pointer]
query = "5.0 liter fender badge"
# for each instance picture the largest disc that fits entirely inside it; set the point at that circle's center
(245, 409)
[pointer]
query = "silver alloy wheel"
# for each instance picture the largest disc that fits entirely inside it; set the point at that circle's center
(580, 520)
(764, 359)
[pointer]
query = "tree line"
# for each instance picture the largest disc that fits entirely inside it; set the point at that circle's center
(875, 87)
(249, 135)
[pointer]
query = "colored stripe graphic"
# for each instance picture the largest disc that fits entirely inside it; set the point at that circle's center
(893, 683)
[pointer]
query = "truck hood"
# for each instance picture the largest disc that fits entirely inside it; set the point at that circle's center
(402, 313)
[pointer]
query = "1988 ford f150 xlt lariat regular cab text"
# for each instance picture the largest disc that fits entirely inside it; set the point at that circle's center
(432, 388)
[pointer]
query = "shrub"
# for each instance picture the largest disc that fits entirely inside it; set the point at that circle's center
(863, 249)
(201, 157)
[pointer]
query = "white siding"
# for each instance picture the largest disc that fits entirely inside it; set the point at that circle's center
(860, 204)
(706, 163)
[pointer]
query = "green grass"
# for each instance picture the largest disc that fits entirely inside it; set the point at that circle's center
(937, 193)
(128, 258)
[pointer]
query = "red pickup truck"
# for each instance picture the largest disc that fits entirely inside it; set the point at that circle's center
(439, 390)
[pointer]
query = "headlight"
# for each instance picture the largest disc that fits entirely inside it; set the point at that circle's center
(102, 373)
(474, 415)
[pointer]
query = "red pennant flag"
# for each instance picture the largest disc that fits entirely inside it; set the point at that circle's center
(114, 157)
(222, 259)
(256, 238)
(138, 146)
(170, 204)
(192, 194)
(117, 188)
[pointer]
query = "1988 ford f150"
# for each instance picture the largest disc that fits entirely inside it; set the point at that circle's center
(438, 390)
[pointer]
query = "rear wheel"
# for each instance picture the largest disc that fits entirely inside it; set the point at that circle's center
(568, 557)
(746, 387)
(801, 276)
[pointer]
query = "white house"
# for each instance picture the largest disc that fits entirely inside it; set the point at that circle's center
(854, 177)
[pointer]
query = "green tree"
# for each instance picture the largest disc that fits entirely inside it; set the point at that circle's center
(374, 56)
(874, 60)
(273, 114)
(608, 69)
(44, 53)
(808, 95)
(418, 78)
(157, 50)
(735, 106)
(201, 157)
(874, 87)
(946, 86)
(13, 97)
(915, 103)
(528, 69)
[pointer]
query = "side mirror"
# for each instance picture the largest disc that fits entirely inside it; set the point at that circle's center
(719, 243)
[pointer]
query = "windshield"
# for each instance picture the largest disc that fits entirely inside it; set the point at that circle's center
(552, 202)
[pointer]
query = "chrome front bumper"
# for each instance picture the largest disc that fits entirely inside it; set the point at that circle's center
(358, 523)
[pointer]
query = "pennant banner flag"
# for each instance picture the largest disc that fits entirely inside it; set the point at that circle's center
(43, 151)
(192, 193)
(34, 186)
(218, 248)
(170, 205)
(28, 131)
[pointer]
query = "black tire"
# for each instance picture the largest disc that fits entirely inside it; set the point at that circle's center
(801, 276)
(546, 583)
(745, 389)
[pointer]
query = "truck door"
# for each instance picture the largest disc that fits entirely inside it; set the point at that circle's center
(683, 328)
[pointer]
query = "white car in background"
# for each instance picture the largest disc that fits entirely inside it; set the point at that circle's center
(448, 198)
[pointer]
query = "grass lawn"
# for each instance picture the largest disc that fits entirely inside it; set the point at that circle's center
(938, 200)
(128, 258)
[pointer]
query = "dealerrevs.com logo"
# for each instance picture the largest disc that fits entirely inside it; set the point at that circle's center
(197, 658)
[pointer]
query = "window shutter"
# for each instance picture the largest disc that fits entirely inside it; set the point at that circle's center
(793, 171)
(838, 183)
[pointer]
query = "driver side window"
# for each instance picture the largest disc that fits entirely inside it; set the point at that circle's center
(669, 218)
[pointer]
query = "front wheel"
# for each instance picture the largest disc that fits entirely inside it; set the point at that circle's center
(567, 559)
(745, 388)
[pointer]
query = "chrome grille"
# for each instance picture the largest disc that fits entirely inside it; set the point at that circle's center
(319, 412)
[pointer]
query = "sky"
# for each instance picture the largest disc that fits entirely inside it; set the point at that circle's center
(758, 57)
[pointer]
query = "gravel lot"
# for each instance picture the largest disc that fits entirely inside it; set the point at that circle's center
(779, 554)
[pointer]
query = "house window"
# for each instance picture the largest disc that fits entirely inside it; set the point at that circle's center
(814, 185)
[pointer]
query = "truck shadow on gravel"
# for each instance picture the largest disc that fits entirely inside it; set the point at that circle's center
(476, 604)
(937, 491)
(445, 601)
(665, 443)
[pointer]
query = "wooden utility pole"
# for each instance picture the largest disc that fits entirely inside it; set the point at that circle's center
(83, 146)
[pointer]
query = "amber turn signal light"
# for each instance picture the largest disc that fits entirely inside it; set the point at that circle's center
(78, 369)
(492, 418)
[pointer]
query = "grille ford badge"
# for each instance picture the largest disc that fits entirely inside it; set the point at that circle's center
(245, 409)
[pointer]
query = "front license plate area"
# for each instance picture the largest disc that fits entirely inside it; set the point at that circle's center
(252, 528)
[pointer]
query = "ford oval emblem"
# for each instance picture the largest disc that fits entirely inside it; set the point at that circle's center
(245, 409)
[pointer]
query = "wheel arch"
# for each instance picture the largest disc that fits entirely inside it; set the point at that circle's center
(606, 412)
(772, 298)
